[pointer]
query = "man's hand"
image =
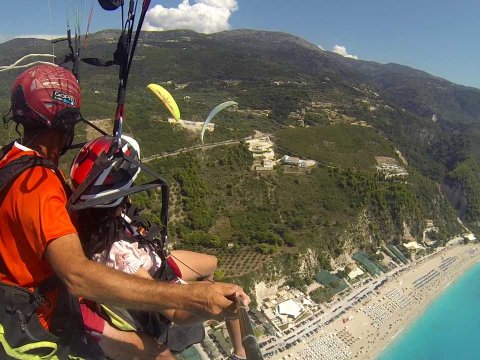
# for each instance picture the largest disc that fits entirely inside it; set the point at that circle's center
(99, 283)
(214, 301)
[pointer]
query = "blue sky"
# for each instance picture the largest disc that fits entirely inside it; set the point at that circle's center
(438, 36)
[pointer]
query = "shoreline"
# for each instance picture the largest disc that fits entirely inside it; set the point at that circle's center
(373, 322)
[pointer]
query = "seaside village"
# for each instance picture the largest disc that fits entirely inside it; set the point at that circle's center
(356, 310)
(367, 301)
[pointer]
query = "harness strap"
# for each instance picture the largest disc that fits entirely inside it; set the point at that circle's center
(15, 168)
(119, 56)
(113, 196)
(101, 163)
(133, 213)
(6, 149)
(21, 352)
(165, 193)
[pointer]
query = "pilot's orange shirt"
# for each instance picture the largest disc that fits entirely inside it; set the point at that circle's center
(32, 214)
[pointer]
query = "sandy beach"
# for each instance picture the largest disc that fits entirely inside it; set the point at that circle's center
(370, 320)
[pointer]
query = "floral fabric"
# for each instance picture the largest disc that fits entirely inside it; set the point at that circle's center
(128, 257)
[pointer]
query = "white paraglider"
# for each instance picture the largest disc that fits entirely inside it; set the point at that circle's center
(214, 112)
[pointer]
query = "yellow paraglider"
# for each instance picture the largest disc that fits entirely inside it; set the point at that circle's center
(167, 99)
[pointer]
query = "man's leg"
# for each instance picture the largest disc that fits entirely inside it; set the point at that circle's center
(129, 345)
(121, 345)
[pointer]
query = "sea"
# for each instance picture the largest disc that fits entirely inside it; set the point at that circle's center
(448, 329)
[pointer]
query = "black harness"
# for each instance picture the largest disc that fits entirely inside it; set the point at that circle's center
(18, 305)
(176, 337)
(15, 168)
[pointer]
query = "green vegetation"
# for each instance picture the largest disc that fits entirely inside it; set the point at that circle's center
(218, 200)
(220, 206)
(344, 146)
(468, 178)
(322, 294)
(331, 285)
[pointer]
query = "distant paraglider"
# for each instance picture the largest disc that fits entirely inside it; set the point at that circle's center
(214, 112)
(167, 99)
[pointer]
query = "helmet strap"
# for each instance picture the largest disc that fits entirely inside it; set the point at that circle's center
(7, 117)
(101, 163)
(18, 131)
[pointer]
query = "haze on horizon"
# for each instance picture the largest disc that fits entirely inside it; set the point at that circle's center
(438, 37)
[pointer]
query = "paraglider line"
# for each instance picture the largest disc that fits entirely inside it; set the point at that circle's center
(188, 267)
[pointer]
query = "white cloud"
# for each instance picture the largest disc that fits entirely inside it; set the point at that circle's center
(342, 50)
(205, 16)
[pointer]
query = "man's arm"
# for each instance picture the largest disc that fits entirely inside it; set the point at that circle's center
(97, 282)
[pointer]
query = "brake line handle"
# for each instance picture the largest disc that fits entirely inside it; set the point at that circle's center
(249, 340)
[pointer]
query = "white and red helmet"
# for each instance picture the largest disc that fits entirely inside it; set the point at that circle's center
(118, 175)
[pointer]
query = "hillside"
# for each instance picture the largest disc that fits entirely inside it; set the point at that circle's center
(343, 113)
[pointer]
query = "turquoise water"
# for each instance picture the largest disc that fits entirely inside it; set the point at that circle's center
(450, 327)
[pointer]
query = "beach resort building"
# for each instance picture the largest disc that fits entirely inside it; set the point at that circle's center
(356, 272)
(295, 161)
(469, 237)
(261, 146)
(264, 165)
(413, 245)
(453, 241)
(193, 126)
(285, 308)
(289, 308)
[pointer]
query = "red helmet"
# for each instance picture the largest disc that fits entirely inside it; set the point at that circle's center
(43, 95)
(119, 175)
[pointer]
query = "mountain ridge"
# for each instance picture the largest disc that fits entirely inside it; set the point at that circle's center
(217, 199)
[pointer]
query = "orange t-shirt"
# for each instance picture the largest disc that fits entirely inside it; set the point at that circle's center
(32, 214)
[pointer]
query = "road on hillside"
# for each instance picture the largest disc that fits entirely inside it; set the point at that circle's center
(193, 148)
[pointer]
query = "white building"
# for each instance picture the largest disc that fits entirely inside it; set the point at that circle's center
(413, 245)
(470, 237)
(355, 273)
(261, 147)
(295, 161)
(267, 164)
(289, 308)
(195, 126)
(290, 160)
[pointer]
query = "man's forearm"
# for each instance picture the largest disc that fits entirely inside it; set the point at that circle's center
(102, 284)
(105, 285)
(94, 281)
